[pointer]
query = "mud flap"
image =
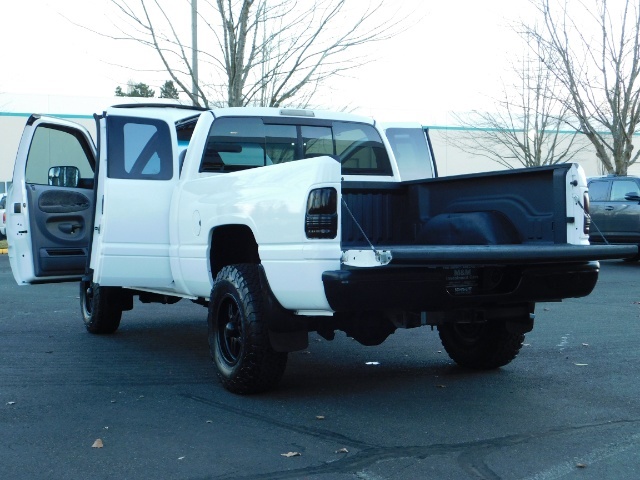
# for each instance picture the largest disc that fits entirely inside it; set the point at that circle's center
(287, 332)
(521, 325)
(289, 341)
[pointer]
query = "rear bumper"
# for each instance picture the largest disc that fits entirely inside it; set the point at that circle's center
(443, 288)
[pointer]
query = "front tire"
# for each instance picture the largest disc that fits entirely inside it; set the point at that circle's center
(101, 307)
(482, 346)
(238, 333)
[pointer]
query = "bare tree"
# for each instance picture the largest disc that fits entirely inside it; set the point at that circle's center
(528, 127)
(593, 48)
(258, 52)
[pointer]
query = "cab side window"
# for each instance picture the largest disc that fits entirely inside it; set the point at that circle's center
(139, 148)
(360, 149)
(409, 146)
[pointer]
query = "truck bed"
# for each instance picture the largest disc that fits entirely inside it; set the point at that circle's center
(498, 217)
(471, 241)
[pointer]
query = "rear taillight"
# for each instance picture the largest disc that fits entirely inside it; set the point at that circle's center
(321, 220)
(587, 216)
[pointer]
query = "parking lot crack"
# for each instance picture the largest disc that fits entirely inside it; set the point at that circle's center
(320, 433)
(472, 454)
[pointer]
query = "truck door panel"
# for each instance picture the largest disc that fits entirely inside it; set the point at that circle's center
(133, 236)
(624, 217)
(599, 194)
(60, 222)
(50, 206)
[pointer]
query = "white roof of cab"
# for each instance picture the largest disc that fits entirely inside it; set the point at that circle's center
(290, 113)
(175, 112)
(165, 111)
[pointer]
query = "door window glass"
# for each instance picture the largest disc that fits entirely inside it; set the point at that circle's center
(139, 148)
(598, 190)
(621, 187)
(53, 146)
(136, 138)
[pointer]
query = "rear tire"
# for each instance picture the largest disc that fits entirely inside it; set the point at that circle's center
(483, 346)
(101, 307)
(238, 333)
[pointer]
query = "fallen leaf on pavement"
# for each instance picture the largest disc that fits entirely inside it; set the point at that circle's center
(342, 450)
(11, 403)
(372, 363)
(97, 444)
(291, 454)
(319, 417)
(581, 465)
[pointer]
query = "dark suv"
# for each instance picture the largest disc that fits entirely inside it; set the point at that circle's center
(615, 209)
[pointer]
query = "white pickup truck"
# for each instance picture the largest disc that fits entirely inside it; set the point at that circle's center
(283, 222)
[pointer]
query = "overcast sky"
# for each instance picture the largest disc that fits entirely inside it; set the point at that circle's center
(452, 59)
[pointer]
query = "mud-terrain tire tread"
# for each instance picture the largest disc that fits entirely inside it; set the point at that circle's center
(102, 310)
(255, 367)
(484, 347)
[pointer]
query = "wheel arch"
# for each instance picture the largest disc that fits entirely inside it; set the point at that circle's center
(232, 244)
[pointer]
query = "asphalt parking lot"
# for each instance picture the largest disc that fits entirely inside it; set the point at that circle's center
(567, 408)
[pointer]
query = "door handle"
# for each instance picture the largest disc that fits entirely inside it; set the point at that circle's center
(69, 228)
(608, 208)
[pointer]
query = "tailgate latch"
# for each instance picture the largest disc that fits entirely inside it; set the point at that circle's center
(366, 258)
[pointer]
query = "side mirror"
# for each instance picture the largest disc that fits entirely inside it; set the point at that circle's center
(632, 197)
(64, 176)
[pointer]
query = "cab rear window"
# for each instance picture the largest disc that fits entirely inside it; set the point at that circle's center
(238, 143)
